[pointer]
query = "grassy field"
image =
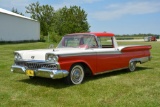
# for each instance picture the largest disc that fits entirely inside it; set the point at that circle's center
(117, 89)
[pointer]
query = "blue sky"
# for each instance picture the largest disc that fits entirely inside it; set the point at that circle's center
(116, 16)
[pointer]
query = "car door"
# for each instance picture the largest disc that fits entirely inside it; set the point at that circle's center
(108, 57)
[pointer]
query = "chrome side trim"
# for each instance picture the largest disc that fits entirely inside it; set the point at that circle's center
(47, 73)
(93, 52)
(78, 54)
(109, 71)
(109, 52)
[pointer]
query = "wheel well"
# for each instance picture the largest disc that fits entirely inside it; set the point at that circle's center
(86, 68)
(136, 60)
(139, 62)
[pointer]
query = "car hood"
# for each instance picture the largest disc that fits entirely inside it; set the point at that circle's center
(34, 54)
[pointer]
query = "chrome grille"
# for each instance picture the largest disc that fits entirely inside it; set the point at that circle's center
(36, 65)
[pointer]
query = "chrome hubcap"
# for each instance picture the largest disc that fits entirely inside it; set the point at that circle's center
(77, 74)
(132, 66)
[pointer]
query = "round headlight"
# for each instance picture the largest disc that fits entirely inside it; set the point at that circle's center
(51, 58)
(17, 56)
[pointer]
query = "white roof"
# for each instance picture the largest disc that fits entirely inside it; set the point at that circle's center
(14, 14)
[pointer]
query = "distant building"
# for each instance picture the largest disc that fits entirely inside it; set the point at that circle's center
(15, 27)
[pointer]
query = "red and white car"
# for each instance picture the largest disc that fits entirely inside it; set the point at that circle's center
(78, 54)
(150, 38)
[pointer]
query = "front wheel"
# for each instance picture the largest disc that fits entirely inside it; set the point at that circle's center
(76, 75)
(132, 66)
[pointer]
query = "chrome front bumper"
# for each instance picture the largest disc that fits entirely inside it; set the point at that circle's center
(47, 73)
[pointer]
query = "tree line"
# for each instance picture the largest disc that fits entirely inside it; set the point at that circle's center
(57, 23)
(136, 35)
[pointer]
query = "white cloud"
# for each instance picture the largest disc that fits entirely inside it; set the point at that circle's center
(131, 8)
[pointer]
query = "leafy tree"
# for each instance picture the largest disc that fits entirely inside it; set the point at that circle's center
(44, 14)
(60, 22)
(71, 20)
(16, 11)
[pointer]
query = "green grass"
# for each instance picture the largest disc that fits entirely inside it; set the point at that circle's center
(116, 89)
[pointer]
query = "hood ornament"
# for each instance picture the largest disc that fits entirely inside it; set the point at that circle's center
(51, 46)
(32, 57)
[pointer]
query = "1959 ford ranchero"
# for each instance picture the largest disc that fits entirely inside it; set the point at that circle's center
(78, 54)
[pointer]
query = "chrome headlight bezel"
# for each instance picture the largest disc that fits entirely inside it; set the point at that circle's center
(17, 56)
(51, 58)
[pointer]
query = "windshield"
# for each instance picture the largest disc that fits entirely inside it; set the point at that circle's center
(78, 41)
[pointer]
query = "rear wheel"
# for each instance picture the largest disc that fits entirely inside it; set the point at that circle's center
(76, 75)
(132, 66)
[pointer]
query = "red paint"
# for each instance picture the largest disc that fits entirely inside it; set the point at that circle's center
(136, 48)
(67, 62)
(106, 62)
(101, 62)
(98, 34)
(153, 38)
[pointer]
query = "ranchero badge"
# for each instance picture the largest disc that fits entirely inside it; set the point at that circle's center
(32, 57)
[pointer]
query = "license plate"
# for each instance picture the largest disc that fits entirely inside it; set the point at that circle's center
(30, 72)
